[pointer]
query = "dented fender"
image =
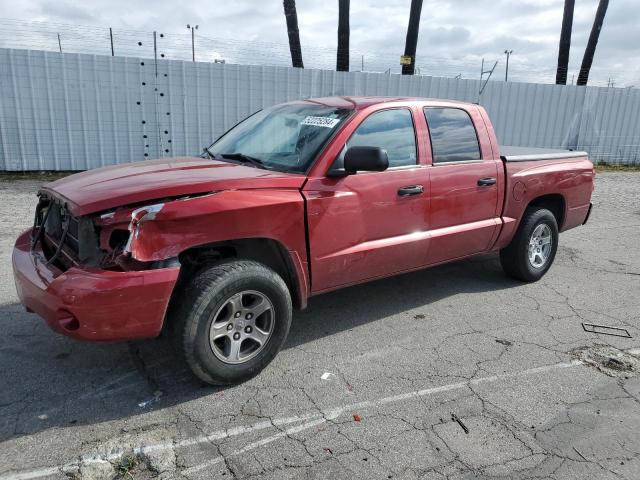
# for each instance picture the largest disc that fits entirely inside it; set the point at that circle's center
(168, 229)
(163, 230)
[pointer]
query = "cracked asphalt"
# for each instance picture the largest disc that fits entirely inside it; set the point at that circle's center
(368, 384)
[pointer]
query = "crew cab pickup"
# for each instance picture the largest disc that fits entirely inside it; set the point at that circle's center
(296, 200)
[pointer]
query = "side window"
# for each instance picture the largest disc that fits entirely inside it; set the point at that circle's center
(391, 130)
(453, 137)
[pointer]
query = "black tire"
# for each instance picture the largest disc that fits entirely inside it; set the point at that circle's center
(204, 295)
(515, 257)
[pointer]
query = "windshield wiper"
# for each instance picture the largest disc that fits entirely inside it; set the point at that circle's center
(244, 158)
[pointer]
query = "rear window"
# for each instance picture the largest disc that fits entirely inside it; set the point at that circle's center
(453, 136)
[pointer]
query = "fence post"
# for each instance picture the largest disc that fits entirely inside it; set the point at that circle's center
(155, 52)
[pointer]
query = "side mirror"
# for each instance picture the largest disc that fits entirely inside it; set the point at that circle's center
(368, 159)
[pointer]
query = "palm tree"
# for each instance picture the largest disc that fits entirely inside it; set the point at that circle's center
(342, 60)
(565, 42)
(590, 51)
(293, 32)
(411, 42)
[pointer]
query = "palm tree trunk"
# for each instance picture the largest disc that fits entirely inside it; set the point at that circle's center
(565, 43)
(342, 60)
(411, 42)
(587, 60)
(294, 34)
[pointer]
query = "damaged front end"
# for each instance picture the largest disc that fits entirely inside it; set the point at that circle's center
(89, 277)
(107, 240)
(65, 240)
(119, 236)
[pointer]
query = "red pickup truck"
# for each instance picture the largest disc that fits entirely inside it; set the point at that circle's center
(296, 200)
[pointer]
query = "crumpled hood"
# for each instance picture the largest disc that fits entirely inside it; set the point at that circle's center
(131, 183)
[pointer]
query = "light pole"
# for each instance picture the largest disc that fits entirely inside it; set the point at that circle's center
(193, 40)
(506, 72)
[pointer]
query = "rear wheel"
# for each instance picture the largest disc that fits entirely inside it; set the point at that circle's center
(231, 321)
(533, 248)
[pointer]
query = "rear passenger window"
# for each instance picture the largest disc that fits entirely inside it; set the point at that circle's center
(453, 137)
(391, 130)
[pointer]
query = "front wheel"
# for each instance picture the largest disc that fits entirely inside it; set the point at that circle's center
(533, 248)
(231, 321)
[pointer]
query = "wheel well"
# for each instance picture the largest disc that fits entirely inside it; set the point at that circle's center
(554, 203)
(264, 250)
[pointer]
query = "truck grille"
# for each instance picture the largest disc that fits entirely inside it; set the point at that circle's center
(65, 239)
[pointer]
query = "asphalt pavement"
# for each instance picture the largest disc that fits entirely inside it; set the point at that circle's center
(454, 372)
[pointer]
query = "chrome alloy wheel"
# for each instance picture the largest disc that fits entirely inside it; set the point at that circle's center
(540, 245)
(241, 327)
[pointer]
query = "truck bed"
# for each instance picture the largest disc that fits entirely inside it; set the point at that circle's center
(527, 154)
(561, 176)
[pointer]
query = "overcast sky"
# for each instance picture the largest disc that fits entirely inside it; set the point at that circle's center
(454, 34)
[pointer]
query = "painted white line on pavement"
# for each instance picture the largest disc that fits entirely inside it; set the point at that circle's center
(310, 420)
(254, 445)
(336, 412)
(227, 433)
(27, 475)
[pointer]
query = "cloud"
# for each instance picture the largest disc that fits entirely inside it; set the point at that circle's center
(446, 35)
(68, 12)
(454, 34)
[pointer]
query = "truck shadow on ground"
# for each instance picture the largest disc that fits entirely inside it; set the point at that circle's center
(52, 381)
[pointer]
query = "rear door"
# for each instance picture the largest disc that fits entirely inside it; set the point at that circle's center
(370, 224)
(464, 183)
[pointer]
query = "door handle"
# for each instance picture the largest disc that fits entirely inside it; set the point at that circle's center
(485, 182)
(411, 190)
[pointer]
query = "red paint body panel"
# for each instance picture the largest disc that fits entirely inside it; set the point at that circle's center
(335, 231)
(108, 306)
(464, 217)
(228, 215)
(360, 229)
(358, 226)
(133, 183)
(466, 214)
(572, 178)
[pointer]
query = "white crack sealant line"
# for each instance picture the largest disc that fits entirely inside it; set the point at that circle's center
(116, 382)
(50, 471)
(13, 346)
(227, 433)
(254, 445)
(309, 420)
(27, 475)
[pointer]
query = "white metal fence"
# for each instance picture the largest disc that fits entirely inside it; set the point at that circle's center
(76, 111)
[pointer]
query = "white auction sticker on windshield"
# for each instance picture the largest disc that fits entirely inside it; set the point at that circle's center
(321, 121)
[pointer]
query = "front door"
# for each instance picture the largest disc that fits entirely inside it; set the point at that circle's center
(370, 224)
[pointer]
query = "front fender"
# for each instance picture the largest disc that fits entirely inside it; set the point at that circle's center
(183, 224)
(228, 215)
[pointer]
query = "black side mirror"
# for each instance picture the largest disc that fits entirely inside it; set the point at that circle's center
(368, 159)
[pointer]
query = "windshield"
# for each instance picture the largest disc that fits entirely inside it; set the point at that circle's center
(284, 137)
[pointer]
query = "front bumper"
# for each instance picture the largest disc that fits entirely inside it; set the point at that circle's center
(89, 303)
